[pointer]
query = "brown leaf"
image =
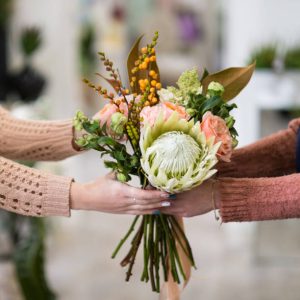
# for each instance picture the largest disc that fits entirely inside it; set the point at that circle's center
(132, 58)
(233, 80)
(114, 83)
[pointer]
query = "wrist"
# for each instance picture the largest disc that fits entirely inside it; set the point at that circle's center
(77, 196)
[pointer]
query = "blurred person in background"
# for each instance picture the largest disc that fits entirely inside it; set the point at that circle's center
(32, 192)
(260, 183)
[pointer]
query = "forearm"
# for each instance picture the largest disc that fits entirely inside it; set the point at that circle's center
(257, 199)
(270, 156)
(32, 192)
(35, 140)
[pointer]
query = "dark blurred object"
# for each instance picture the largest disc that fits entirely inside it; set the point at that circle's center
(26, 236)
(292, 58)
(118, 13)
(5, 11)
(87, 51)
(28, 83)
(264, 56)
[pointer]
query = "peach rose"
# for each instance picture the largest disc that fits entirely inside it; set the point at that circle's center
(214, 126)
(149, 114)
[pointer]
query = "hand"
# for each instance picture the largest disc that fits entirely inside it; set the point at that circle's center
(195, 202)
(108, 195)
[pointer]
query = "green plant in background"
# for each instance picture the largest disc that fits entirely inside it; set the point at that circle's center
(5, 11)
(27, 237)
(292, 58)
(264, 56)
(30, 41)
(87, 53)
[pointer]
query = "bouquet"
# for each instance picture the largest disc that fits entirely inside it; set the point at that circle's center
(175, 136)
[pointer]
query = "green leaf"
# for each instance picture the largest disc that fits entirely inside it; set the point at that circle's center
(119, 156)
(233, 80)
(132, 58)
(106, 140)
(110, 164)
(210, 103)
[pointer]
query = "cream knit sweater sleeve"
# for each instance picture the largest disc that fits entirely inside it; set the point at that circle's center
(25, 190)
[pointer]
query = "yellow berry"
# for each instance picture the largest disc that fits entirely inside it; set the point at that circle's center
(127, 91)
(154, 100)
(147, 103)
(153, 82)
(131, 84)
(144, 66)
(155, 76)
(147, 60)
(141, 81)
(146, 81)
(150, 97)
(133, 79)
(152, 90)
(153, 58)
(153, 51)
(144, 50)
(152, 73)
(158, 85)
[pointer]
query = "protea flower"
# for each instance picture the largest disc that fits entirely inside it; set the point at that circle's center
(176, 156)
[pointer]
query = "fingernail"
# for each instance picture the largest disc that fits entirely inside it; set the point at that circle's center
(165, 204)
(165, 196)
(172, 196)
(156, 212)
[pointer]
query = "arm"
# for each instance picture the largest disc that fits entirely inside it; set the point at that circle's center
(242, 199)
(35, 140)
(32, 192)
(270, 156)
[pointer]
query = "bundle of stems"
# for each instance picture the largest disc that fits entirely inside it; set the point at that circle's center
(161, 236)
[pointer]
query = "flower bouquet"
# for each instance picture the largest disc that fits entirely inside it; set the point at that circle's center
(176, 136)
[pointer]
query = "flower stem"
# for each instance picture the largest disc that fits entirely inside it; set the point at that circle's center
(131, 229)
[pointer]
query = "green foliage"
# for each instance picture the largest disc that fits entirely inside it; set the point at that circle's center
(264, 56)
(97, 138)
(87, 53)
(30, 41)
(292, 58)
(217, 106)
(29, 261)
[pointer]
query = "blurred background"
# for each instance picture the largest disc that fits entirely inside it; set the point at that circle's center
(47, 47)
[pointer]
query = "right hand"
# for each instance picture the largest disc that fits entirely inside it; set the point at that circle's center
(108, 195)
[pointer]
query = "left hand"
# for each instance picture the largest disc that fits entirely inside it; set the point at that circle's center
(195, 202)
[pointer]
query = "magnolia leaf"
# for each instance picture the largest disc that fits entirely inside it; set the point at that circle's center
(204, 75)
(233, 80)
(132, 58)
(114, 83)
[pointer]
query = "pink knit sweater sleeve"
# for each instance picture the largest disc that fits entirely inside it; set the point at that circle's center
(25, 190)
(263, 197)
(35, 140)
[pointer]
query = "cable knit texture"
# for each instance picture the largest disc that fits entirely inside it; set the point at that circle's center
(25, 190)
(256, 186)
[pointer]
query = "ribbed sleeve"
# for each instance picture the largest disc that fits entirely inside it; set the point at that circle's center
(35, 140)
(261, 196)
(260, 199)
(32, 192)
(270, 156)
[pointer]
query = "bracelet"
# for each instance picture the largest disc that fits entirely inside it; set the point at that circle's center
(213, 200)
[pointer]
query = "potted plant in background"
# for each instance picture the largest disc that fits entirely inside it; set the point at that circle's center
(29, 83)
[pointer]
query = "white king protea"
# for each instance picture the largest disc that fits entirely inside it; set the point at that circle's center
(176, 156)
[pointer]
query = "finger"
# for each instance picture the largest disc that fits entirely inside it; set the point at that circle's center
(153, 206)
(149, 195)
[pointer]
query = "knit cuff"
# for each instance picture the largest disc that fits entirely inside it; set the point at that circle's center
(233, 205)
(57, 198)
(63, 139)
